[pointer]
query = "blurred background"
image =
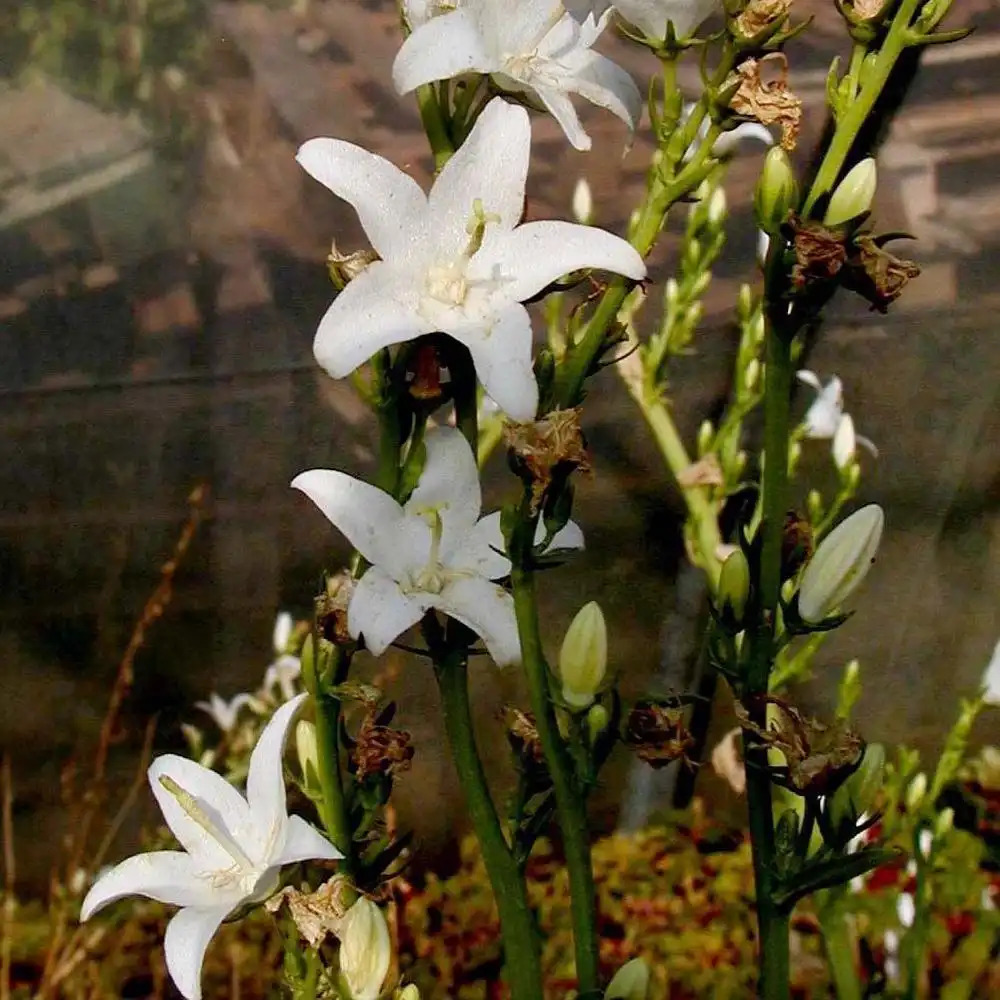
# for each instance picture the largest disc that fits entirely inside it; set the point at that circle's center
(161, 278)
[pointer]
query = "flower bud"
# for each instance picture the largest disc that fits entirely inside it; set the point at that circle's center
(597, 722)
(706, 432)
(915, 791)
(365, 949)
(583, 203)
(583, 658)
(945, 822)
(777, 191)
(751, 375)
(630, 982)
(857, 794)
(408, 992)
(307, 750)
(717, 207)
(840, 563)
(853, 195)
(845, 443)
(734, 585)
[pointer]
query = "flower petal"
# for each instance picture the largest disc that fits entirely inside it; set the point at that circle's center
(604, 83)
(266, 783)
(365, 515)
(488, 610)
(390, 204)
(538, 253)
(728, 141)
(379, 308)
(482, 550)
(380, 611)
(570, 536)
(502, 358)
(187, 937)
(491, 166)
(445, 46)
(167, 876)
(449, 483)
(223, 809)
(561, 108)
(303, 842)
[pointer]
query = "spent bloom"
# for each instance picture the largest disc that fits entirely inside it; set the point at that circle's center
(840, 563)
(432, 552)
(455, 260)
(234, 847)
(533, 47)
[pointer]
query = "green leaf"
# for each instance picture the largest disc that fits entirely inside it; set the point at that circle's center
(832, 872)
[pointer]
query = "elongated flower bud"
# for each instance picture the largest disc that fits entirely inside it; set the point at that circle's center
(583, 203)
(734, 585)
(307, 750)
(853, 195)
(365, 949)
(630, 982)
(840, 563)
(583, 659)
(857, 794)
(777, 191)
(845, 442)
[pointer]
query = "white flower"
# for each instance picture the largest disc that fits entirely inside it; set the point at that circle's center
(651, 16)
(282, 675)
(991, 678)
(825, 418)
(365, 949)
(906, 910)
(282, 635)
(456, 260)
(534, 47)
(434, 552)
(840, 563)
(417, 12)
(233, 848)
(224, 713)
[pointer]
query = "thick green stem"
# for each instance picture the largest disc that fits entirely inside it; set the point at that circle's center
(522, 960)
(772, 920)
(854, 117)
(435, 125)
(571, 799)
(838, 944)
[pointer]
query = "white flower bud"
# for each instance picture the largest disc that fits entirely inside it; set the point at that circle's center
(840, 563)
(583, 658)
(734, 585)
(853, 195)
(630, 982)
(916, 791)
(777, 190)
(307, 749)
(906, 910)
(705, 434)
(365, 949)
(845, 444)
(751, 375)
(583, 202)
(717, 207)
(408, 992)
(283, 626)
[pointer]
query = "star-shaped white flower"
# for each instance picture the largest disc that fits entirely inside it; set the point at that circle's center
(651, 16)
(432, 552)
(233, 848)
(224, 713)
(455, 260)
(533, 47)
(825, 420)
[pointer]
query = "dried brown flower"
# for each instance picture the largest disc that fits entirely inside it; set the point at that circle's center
(344, 267)
(380, 749)
(796, 543)
(868, 9)
(315, 914)
(657, 734)
(819, 252)
(424, 373)
(547, 446)
(727, 761)
(819, 756)
(705, 472)
(769, 101)
(760, 14)
(876, 274)
(331, 608)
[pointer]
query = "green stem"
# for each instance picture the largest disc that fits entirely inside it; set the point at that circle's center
(435, 125)
(838, 944)
(849, 125)
(571, 799)
(522, 961)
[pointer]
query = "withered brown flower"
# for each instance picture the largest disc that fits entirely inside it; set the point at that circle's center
(657, 734)
(380, 749)
(819, 252)
(331, 607)
(315, 914)
(796, 543)
(876, 274)
(760, 14)
(770, 102)
(547, 446)
(819, 756)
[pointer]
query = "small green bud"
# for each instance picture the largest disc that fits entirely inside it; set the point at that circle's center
(717, 207)
(853, 195)
(583, 658)
(630, 982)
(814, 506)
(751, 375)
(840, 563)
(598, 720)
(307, 751)
(944, 822)
(777, 191)
(307, 660)
(857, 794)
(734, 585)
(744, 303)
(706, 432)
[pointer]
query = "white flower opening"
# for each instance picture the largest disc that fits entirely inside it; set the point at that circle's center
(454, 260)
(233, 848)
(432, 552)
